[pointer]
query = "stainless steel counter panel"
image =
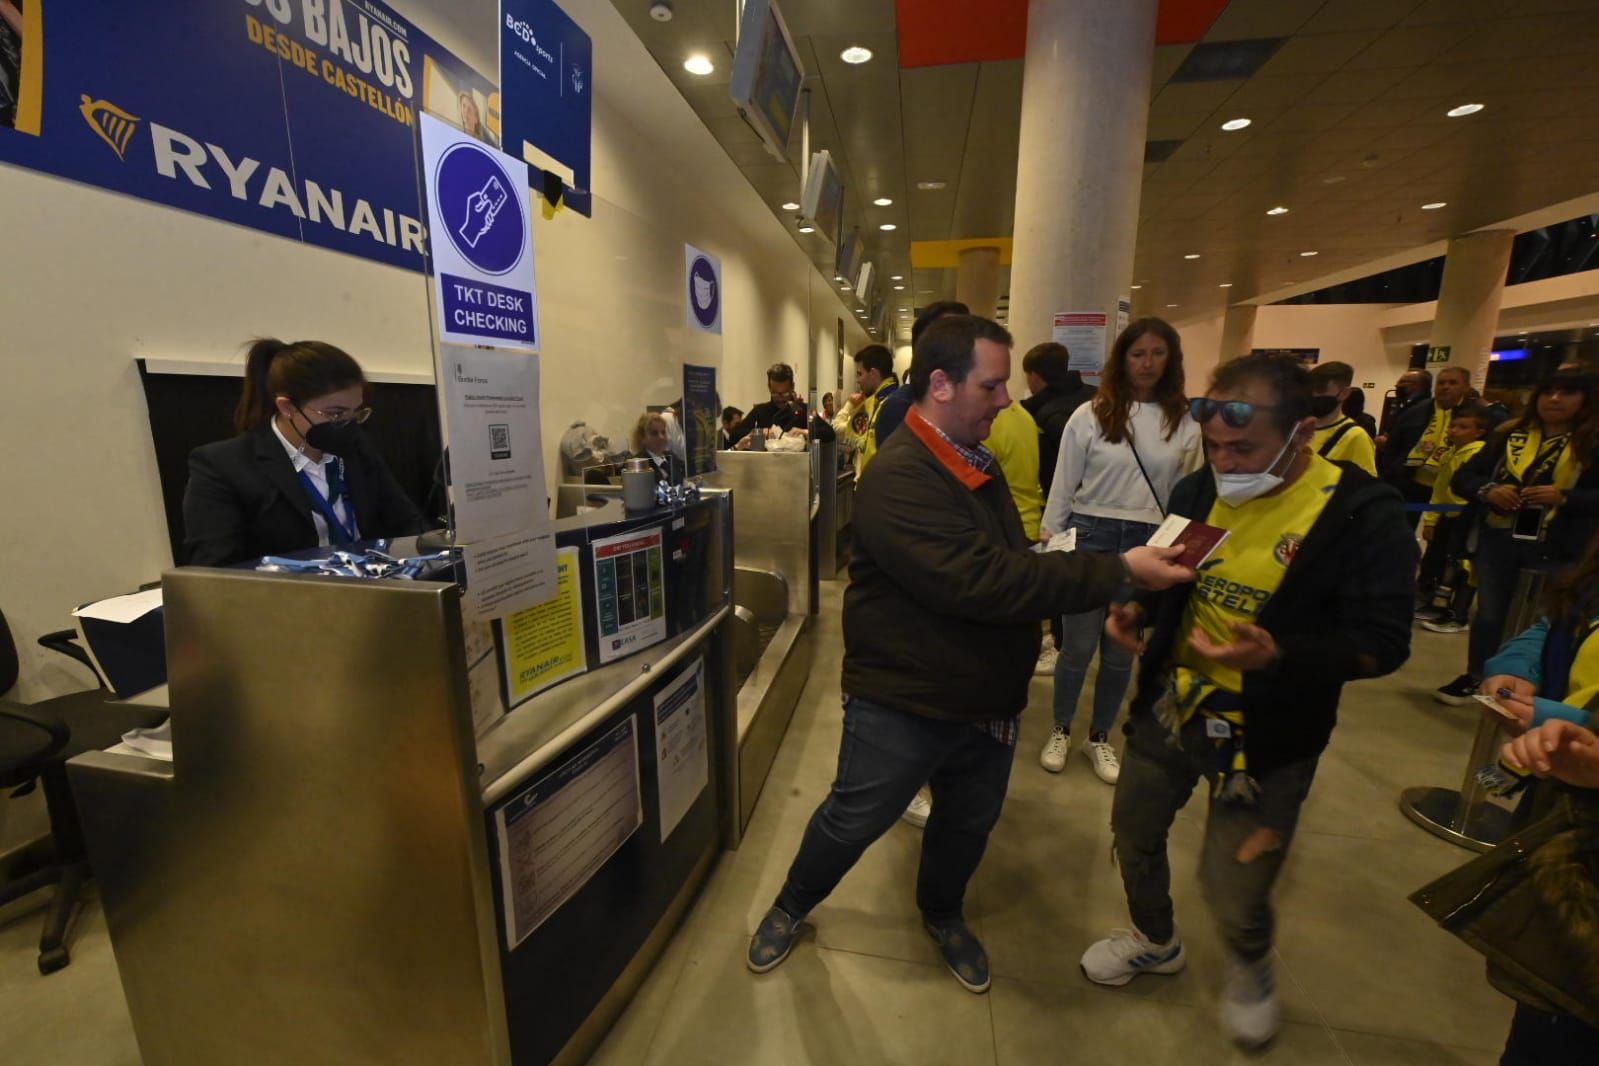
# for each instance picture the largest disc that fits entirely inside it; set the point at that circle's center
(318, 835)
(772, 495)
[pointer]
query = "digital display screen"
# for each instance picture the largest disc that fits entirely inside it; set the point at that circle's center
(777, 79)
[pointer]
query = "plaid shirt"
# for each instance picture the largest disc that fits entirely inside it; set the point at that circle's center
(1004, 730)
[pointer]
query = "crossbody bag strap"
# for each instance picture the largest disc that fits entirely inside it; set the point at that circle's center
(1332, 442)
(1133, 447)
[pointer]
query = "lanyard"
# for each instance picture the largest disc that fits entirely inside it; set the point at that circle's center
(338, 532)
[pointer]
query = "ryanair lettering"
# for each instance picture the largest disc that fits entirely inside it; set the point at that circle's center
(207, 166)
(1232, 595)
(372, 44)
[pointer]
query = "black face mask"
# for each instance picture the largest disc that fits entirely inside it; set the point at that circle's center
(335, 438)
(1322, 406)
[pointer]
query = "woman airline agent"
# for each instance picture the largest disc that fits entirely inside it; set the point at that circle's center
(1120, 455)
(300, 473)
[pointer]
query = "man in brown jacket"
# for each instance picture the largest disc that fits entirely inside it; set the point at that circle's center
(941, 630)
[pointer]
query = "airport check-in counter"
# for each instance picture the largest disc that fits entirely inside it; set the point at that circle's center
(358, 855)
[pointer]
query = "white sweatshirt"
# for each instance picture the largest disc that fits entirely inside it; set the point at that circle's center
(1097, 478)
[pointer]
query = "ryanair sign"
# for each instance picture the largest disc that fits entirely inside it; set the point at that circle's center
(292, 117)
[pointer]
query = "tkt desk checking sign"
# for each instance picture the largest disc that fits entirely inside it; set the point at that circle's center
(481, 240)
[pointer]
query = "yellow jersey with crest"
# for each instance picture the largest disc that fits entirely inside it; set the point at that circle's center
(1237, 582)
(1353, 445)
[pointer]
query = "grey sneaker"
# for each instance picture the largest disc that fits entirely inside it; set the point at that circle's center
(962, 953)
(773, 940)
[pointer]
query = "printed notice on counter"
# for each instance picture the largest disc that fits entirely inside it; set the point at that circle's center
(491, 417)
(630, 589)
(543, 645)
(482, 675)
(1083, 334)
(556, 833)
(682, 760)
(508, 574)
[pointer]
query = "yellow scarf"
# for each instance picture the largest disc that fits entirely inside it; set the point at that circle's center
(1525, 446)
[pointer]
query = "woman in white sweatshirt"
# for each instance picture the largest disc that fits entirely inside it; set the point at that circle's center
(1119, 458)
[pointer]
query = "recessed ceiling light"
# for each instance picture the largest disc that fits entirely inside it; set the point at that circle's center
(1277, 211)
(1435, 205)
(807, 229)
(791, 206)
(1138, 286)
(1226, 285)
(845, 285)
(1309, 254)
(899, 288)
(1191, 255)
(931, 186)
(855, 55)
(887, 226)
(1333, 179)
(1235, 124)
(1464, 110)
(1170, 306)
(883, 201)
(699, 64)
(896, 277)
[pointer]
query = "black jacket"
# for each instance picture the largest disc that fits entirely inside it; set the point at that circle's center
(1404, 429)
(244, 500)
(891, 413)
(1341, 613)
(1574, 524)
(942, 610)
(784, 416)
(1052, 409)
(674, 472)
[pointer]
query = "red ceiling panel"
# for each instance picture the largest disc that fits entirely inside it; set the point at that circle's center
(933, 32)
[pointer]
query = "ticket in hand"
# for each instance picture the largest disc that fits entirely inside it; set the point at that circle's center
(1199, 541)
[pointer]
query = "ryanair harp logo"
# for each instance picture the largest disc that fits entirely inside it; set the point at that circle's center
(115, 126)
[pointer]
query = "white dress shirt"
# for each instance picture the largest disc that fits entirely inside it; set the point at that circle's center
(318, 473)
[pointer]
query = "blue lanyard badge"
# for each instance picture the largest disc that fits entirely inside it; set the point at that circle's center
(338, 532)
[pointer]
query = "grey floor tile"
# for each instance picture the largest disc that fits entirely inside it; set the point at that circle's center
(1367, 1049)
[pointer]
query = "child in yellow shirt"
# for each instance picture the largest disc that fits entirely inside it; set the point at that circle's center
(1444, 580)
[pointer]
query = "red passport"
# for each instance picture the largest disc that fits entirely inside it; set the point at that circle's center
(1199, 541)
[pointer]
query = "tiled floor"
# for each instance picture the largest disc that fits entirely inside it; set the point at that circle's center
(1365, 978)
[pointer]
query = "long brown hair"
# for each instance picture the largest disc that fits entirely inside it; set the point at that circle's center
(300, 370)
(1585, 432)
(1113, 403)
(1573, 598)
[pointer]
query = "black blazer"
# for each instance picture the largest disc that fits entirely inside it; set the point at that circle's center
(674, 473)
(244, 500)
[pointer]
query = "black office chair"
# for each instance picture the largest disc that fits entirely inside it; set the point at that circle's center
(36, 740)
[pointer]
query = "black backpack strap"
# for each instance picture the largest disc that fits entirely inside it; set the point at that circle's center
(1331, 442)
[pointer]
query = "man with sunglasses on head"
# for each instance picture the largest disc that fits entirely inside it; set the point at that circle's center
(1241, 673)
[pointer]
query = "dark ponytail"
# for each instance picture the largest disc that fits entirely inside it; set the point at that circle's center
(301, 370)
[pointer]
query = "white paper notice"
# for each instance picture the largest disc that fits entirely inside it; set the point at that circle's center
(630, 590)
(682, 760)
(557, 832)
(491, 419)
(124, 609)
(508, 574)
(1083, 334)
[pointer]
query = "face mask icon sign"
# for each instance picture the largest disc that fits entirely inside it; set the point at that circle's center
(482, 208)
(704, 292)
(705, 302)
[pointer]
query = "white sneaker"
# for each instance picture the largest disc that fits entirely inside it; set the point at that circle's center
(921, 806)
(1126, 953)
(1045, 667)
(1249, 1009)
(1102, 757)
(1053, 757)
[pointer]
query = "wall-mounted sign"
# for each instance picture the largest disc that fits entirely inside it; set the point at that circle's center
(701, 418)
(292, 117)
(1438, 355)
(703, 274)
(482, 242)
(1307, 356)
(547, 70)
(1083, 334)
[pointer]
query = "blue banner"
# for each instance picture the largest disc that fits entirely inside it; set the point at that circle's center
(547, 73)
(293, 117)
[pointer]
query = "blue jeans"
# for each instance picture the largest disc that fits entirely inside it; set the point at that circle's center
(884, 757)
(1082, 633)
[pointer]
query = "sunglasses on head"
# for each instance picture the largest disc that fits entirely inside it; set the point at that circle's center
(1235, 413)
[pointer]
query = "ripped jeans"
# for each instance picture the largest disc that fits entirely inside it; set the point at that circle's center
(1156, 781)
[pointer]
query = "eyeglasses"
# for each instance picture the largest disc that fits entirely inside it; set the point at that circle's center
(341, 417)
(1235, 413)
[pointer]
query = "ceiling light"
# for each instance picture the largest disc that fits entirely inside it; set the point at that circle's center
(1226, 285)
(791, 206)
(887, 227)
(883, 201)
(931, 186)
(896, 277)
(1170, 306)
(699, 64)
(845, 285)
(1191, 255)
(899, 288)
(855, 55)
(1235, 124)
(1307, 255)
(1333, 179)
(807, 228)
(1463, 110)
(1138, 286)
(1277, 211)
(1435, 205)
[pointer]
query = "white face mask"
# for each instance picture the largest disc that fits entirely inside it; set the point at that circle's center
(1237, 489)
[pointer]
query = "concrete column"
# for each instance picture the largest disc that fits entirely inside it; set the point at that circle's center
(977, 280)
(1468, 303)
(1237, 332)
(1085, 108)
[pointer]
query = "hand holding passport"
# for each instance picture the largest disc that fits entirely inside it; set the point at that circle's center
(1198, 540)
